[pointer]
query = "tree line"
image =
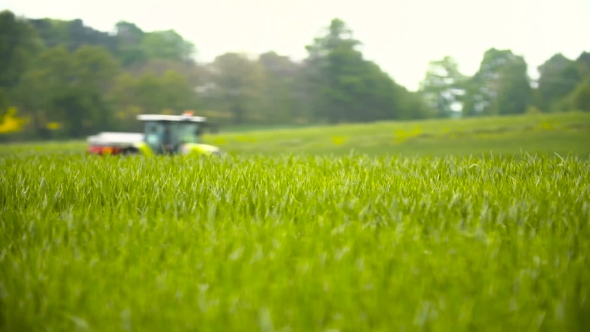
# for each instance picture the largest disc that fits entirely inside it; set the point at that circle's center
(63, 79)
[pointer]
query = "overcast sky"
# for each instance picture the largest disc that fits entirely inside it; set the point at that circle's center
(402, 36)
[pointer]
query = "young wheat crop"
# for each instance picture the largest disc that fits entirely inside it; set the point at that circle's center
(294, 243)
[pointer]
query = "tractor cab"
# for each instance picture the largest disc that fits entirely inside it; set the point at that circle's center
(163, 135)
(170, 134)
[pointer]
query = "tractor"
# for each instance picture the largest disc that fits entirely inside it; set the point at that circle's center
(163, 135)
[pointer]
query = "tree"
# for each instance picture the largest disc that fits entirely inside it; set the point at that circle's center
(330, 58)
(411, 105)
(443, 86)
(70, 87)
(94, 68)
(235, 84)
(558, 77)
(578, 100)
(160, 67)
(123, 94)
(129, 43)
(66, 72)
(151, 93)
(345, 86)
(279, 90)
(73, 34)
(514, 94)
(179, 94)
(19, 44)
(48, 75)
(581, 97)
(167, 45)
(500, 86)
(583, 64)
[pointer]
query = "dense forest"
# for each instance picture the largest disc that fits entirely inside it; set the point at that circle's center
(62, 79)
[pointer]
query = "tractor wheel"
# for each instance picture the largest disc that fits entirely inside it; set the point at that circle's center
(130, 152)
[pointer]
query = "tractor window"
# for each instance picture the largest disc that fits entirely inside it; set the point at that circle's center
(154, 134)
(187, 132)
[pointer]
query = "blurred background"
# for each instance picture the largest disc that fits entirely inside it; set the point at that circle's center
(70, 70)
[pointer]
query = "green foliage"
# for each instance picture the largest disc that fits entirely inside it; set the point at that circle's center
(149, 93)
(294, 243)
(167, 45)
(19, 44)
(237, 82)
(581, 97)
(444, 86)
(70, 86)
(129, 39)
(282, 98)
(89, 80)
(348, 88)
(558, 78)
(499, 87)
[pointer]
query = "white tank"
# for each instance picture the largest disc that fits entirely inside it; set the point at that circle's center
(115, 139)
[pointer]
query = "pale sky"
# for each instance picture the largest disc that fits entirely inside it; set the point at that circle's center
(402, 36)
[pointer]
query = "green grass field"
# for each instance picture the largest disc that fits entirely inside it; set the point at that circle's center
(475, 226)
(564, 133)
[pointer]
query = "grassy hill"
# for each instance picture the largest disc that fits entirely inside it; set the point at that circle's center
(564, 133)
